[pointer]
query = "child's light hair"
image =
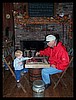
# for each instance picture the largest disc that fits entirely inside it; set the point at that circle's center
(18, 53)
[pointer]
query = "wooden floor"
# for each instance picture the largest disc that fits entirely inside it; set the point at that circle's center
(60, 91)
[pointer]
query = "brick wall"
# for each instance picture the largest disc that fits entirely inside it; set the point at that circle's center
(24, 31)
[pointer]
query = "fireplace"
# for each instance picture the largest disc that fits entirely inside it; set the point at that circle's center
(30, 47)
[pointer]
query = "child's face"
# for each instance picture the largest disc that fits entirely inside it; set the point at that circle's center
(20, 56)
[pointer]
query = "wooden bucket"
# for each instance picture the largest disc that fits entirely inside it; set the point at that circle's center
(34, 74)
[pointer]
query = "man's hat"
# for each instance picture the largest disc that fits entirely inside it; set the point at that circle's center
(50, 38)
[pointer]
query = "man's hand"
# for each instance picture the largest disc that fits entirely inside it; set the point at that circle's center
(53, 66)
(37, 53)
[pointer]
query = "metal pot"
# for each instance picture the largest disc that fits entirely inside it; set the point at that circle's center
(38, 88)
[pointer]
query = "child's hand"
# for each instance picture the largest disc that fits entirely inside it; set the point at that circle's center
(31, 57)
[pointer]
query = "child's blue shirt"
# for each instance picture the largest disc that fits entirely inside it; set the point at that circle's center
(18, 63)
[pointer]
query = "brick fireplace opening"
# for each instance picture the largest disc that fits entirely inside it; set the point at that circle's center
(29, 48)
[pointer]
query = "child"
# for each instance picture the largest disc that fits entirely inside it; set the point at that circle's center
(18, 65)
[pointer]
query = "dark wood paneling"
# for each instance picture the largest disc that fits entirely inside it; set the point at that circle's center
(7, 9)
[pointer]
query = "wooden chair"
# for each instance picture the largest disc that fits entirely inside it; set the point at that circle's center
(9, 62)
(60, 76)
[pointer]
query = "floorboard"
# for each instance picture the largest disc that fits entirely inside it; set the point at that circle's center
(60, 91)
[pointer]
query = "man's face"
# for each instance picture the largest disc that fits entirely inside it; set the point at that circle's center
(51, 43)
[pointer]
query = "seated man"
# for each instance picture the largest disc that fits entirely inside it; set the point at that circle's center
(58, 58)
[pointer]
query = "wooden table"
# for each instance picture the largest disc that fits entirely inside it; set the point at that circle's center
(38, 62)
(35, 66)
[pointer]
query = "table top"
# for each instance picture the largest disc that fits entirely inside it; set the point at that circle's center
(38, 62)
